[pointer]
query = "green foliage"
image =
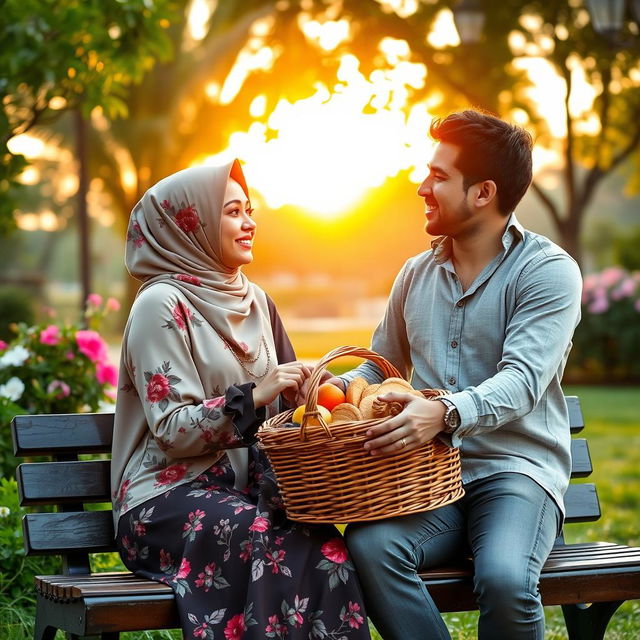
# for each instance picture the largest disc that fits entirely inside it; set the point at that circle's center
(16, 306)
(16, 569)
(82, 53)
(51, 368)
(607, 341)
(626, 248)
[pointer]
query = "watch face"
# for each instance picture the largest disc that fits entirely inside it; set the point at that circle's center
(452, 418)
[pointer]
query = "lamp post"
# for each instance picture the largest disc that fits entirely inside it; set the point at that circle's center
(607, 17)
(468, 17)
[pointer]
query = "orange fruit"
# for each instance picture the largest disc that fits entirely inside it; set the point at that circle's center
(330, 396)
(299, 412)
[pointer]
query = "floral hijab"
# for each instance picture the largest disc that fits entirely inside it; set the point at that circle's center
(174, 236)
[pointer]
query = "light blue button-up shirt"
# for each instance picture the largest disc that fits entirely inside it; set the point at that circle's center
(499, 348)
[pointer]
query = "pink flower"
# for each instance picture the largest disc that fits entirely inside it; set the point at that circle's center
(599, 305)
(166, 561)
(275, 558)
(92, 345)
(247, 550)
(183, 277)
(112, 305)
(94, 300)
(122, 492)
(611, 276)
(181, 314)
(106, 374)
(63, 389)
(259, 524)
(171, 474)
(3, 345)
(187, 219)
(235, 627)
(213, 403)
(50, 335)
(334, 550)
(352, 616)
(157, 388)
(184, 570)
(625, 290)
(194, 523)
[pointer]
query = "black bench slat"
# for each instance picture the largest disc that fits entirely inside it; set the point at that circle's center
(576, 419)
(64, 482)
(59, 533)
(581, 503)
(59, 434)
(581, 466)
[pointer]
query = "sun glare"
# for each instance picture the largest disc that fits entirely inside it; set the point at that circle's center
(322, 154)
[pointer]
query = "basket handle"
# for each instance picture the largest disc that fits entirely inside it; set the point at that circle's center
(311, 400)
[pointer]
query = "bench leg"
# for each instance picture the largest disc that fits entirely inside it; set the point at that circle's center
(588, 622)
(43, 631)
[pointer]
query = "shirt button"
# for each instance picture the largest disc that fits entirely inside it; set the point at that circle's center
(460, 303)
(454, 344)
(452, 380)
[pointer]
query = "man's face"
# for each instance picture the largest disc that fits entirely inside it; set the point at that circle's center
(448, 208)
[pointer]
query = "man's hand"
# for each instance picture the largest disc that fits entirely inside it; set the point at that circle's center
(420, 421)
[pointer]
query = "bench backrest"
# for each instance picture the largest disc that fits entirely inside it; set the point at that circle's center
(70, 483)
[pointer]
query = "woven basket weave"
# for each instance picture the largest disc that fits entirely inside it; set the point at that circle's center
(325, 475)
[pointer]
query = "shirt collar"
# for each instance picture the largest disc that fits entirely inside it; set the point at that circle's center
(442, 244)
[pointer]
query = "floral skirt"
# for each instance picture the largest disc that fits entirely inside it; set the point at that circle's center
(238, 566)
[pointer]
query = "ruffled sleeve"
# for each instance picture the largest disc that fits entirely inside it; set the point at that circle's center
(243, 413)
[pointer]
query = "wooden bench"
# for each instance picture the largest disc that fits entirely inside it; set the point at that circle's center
(86, 604)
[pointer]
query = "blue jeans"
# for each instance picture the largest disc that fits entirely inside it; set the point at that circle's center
(509, 524)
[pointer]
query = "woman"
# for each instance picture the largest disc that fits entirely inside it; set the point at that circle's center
(204, 360)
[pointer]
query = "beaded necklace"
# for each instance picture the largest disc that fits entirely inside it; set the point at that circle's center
(263, 343)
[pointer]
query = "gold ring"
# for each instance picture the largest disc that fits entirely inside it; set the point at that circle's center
(404, 442)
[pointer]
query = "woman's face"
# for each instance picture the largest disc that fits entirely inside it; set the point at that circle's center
(237, 227)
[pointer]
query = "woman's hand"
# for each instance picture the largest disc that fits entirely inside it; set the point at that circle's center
(288, 377)
(301, 395)
(420, 421)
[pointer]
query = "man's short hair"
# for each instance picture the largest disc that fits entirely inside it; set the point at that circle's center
(490, 149)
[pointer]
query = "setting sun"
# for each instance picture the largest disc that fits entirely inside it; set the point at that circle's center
(325, 152)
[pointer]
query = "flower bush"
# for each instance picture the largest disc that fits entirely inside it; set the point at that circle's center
(55, 368)
(607, 340)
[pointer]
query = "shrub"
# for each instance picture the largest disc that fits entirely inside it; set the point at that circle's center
(607, 341)
(15, 306)
(53, 368)
(16, 569)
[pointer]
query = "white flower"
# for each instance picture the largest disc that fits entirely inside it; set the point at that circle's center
(4, 512)
(12, 389)
(14, 357)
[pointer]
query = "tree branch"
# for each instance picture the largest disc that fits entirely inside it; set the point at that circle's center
(548, 203)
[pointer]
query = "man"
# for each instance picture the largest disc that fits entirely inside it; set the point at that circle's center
(487, 314)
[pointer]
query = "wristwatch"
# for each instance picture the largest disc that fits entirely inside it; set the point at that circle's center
(451, 416)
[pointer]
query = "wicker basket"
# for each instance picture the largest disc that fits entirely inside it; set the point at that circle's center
(325, 475)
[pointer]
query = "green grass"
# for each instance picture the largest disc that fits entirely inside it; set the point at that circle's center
(612, 417)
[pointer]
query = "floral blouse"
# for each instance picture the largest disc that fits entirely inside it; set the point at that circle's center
(178, 410)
